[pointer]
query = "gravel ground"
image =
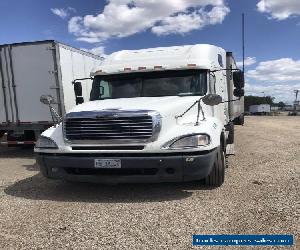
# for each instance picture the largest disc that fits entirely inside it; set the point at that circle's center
(261, 195)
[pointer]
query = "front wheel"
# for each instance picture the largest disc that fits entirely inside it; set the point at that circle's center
(2, 132)
(217, 174)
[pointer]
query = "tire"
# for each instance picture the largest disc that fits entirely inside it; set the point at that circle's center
(230, 139)
(2, 132)
(217, 174)
(240, 120)
(44, 172)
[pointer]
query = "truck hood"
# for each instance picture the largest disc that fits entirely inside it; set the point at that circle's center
(166, 106)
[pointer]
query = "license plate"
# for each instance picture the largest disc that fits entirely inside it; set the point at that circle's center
(107, 163)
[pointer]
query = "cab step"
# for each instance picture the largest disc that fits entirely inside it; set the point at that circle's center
(230, 149)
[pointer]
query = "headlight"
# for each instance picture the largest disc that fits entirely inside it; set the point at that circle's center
(45, 142)
(189, 141)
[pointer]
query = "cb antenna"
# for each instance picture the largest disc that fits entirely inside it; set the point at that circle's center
(243, 41)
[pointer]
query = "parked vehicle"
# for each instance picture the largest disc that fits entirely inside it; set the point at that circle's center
(261, 109)
(155, 115)
(275, 108)
(30, 69)
(295, 108)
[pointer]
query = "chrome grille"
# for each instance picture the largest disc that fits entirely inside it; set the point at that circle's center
(108, 128)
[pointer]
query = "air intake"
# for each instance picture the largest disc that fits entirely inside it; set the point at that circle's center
(110, 126)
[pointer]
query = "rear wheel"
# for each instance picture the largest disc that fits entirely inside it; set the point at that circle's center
(240, 120)
(217, 174)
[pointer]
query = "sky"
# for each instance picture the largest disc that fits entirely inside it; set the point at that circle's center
(272, 31)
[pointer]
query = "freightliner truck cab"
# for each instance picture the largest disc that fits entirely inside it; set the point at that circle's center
(154, 115)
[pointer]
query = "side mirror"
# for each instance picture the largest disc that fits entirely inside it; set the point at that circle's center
(238, 92)
(79, 100)
(47, 99)
(77, 88)
(238, 79)
(212, 99)
(78, 92)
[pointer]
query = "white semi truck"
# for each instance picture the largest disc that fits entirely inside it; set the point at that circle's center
(30, 69)
(154, 115)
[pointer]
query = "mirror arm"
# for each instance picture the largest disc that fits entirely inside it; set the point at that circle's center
(232, 100)
(82, 79)
(179, 116)
(216, 70)
(55, 116)
(200, 109)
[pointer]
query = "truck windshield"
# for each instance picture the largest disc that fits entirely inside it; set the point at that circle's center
(150, 84)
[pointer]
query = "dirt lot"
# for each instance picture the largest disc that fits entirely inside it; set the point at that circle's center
(261, 195)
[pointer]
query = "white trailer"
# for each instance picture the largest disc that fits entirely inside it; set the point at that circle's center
(260, 109)
(31, 69)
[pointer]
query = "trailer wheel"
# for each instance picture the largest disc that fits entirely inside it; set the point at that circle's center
(217, 174)
(2, 132)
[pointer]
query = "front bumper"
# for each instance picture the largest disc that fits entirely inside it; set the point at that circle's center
(138, 168)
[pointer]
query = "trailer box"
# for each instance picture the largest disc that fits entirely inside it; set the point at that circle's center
(260, 109)
(31, 69)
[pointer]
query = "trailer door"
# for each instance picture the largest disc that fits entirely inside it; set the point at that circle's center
(7, 109)
(33, 74)
(3, 95)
